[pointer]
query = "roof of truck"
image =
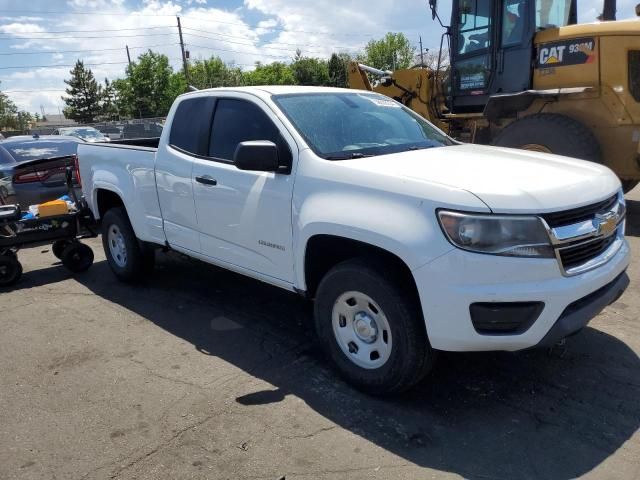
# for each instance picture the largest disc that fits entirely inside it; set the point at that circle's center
(273, 89)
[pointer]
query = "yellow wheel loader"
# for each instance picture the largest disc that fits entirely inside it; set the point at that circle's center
(525, 74)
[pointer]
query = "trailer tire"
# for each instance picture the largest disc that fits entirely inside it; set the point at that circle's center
(551, 133)
(77, 257)
(10, 270)
(128, 258)
(58, 248)
(379, 342)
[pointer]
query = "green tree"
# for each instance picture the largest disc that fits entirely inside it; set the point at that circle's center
(109, 106)
(393, 52)
(276, 73)
(151, 86)
(337, 70)
(213, 73)
(8, 111)
(309, 70)
(83, 98)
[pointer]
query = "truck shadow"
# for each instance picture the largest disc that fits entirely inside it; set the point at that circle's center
(494, 415)
(633, 218)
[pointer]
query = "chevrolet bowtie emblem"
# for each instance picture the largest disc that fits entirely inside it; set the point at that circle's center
(605, 223)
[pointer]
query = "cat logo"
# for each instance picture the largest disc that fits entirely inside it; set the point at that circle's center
(553, 55)
(571, 52)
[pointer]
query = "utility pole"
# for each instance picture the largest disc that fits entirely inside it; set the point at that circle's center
(128, 55)
(184, 55)
(421, 55)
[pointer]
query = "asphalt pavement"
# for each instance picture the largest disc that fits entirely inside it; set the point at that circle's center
(203, 374)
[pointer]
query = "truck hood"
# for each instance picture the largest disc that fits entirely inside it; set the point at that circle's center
(506, 180)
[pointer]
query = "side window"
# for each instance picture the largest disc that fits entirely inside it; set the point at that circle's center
(475, 22)
(191, 124)
(238, 121)
(513, 22)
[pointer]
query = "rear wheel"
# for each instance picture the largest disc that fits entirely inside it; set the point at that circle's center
(551, 133)
(128, 258)
(10, 270)
(371, 328)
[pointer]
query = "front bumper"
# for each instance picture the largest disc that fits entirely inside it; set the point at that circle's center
(451, 283)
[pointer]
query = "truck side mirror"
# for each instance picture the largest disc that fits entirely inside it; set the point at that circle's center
(638, 10)
(256, 155)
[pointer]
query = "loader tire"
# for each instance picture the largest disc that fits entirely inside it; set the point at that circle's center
(551, 133)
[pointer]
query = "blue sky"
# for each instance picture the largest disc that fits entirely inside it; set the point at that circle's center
(240, 31)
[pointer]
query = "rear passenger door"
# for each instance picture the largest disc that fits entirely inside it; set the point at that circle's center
(244, 217)
(187, 140)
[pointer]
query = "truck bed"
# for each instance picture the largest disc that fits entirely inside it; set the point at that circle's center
(127, 168)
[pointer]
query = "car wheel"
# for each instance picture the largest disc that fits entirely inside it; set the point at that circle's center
(128, 258)
(371, 328)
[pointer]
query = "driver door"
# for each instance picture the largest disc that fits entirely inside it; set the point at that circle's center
(244, 217)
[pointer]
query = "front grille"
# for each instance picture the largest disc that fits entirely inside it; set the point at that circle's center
(577, 215)
(576, 255)
(634, 74)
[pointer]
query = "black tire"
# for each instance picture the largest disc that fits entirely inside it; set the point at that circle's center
(628, 185)
(411, 356)
(77, 257)
(59, 246)
(10, 270)
(557, 133)
(139, 258)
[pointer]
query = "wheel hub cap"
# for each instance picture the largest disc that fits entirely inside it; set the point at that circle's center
(117, 247)
(361, 330)
(365, 327)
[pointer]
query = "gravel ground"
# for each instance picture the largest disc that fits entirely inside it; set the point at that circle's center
(201, 373)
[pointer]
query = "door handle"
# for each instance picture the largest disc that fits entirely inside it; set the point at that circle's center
(206, 180)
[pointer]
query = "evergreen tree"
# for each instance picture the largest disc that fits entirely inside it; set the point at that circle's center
(84, 95)
(337, 69)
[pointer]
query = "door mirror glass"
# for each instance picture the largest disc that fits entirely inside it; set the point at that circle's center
(256, 155)
(638, 10)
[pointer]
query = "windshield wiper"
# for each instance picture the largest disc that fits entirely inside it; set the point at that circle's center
(348, 156)
(423, 147)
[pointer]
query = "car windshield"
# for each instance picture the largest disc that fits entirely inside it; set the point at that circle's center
(346, 125)
(40, 149)
(83, 132)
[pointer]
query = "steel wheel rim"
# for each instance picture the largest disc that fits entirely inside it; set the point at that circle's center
(536, 147)
(117, 247)
(361, 330)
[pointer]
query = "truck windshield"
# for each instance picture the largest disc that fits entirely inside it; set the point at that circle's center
(552, 13)
(345, 125)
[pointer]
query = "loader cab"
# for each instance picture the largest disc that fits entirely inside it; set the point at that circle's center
(491, 48)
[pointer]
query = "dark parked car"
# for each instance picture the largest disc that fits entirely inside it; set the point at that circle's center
(142, 130)
(32, 169)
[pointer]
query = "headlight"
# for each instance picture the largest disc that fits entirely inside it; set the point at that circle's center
(497, 235)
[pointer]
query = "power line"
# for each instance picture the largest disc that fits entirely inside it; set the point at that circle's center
(257, 54)
(66, 66)
(82, 38)
(278, 43)
(44, 52)
(183, 15)
(89, 31)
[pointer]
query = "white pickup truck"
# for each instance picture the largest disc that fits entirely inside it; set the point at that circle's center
(408, 241)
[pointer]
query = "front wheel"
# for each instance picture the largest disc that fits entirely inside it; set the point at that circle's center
(77, 257)
(371, 328)
(128, 259)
